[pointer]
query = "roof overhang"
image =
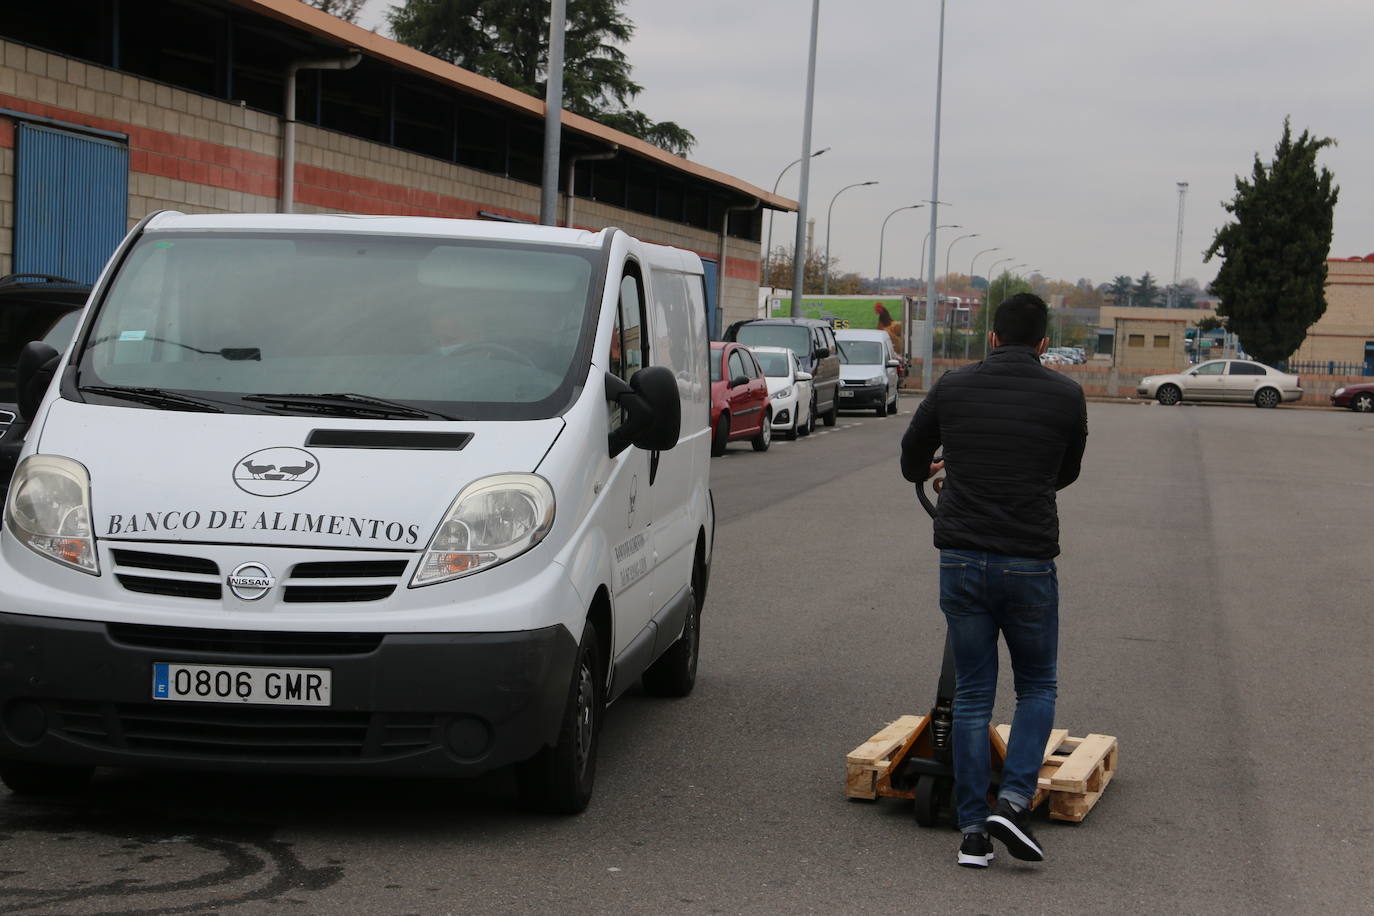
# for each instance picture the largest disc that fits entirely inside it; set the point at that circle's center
(349, 36)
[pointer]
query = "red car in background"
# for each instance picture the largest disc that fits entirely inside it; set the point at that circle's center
(1357, 397)
(739, 398)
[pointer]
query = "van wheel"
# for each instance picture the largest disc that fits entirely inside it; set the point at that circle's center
(41, 779)
(764, 438)
(833, 413)
(559, 779)
(674, 674)
(721, 436)
(892, 408)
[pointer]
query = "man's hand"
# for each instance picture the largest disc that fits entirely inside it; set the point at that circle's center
(935, 468)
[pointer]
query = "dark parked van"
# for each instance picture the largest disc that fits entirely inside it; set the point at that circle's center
(814, 343)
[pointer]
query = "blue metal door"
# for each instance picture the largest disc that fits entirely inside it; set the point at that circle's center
(71, 202)
(1369, 357)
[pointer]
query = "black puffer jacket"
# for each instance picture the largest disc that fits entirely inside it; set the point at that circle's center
(1013, 433)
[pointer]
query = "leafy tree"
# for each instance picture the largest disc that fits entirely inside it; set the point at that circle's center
(508, 41)
(1004, 286)
(346, 10)
(1272, 281)
(1146, 291)
(1120, 289)
(813, 274)
(1210, 323)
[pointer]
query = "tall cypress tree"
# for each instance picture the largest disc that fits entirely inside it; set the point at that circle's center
(508, 41)
(1272, 281)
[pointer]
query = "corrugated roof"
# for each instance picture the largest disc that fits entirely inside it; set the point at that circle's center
(323, 25)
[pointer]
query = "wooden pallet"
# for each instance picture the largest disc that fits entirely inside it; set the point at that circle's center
(1075, 773)
(869, 767)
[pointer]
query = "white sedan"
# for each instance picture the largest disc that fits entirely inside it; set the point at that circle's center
(1224, 380)
(789, 390)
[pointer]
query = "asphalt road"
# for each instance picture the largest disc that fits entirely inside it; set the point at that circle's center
(1216, 618)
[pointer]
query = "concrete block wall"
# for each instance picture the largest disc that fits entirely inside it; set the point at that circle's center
(1341, 333)
(202, 155)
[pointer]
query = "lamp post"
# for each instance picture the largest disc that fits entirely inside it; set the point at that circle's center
(987, 304)
(928, 335)
(949, 325)
(881, 233)
(799, 246)
(925, 244)
(972, 261)
(768, 252)
(825, 268)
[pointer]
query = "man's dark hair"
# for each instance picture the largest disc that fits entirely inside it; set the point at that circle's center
(1021, 320)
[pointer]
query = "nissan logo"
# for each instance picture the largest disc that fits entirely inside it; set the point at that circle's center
(251, 581)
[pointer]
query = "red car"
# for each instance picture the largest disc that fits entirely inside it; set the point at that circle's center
(1356, 397)
(739, 398)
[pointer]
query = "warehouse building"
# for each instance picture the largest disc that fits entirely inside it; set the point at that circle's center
(111, 109)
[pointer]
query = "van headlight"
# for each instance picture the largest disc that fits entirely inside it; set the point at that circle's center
(494, 519)
(49, 511)
(876, 380)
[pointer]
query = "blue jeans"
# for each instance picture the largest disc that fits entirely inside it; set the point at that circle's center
(983, 594)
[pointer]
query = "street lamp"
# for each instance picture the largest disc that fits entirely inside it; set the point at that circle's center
(971, 235)
(825, 268)
(974, 260)
(881, 233)
(987, 303)
(925, 244)
(928, 329)
(768, 252)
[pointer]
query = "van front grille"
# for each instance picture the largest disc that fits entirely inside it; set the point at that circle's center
(243, 642)
(343, 581)
(185, 577)
(207, 731)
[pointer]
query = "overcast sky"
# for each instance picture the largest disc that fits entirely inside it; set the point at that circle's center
(1066, 123)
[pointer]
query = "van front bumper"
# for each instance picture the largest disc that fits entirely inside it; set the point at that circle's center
(79, 693)
(865, 396)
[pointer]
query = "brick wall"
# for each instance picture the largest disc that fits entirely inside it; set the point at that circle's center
(201, 155)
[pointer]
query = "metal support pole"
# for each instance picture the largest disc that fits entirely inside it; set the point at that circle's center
(799, 246)
(882, 232)
(1178, 244)
(825, 272)
(929, 334)
(553, 114)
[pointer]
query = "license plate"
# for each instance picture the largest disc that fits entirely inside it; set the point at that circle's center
(846, 394)
(237, 684)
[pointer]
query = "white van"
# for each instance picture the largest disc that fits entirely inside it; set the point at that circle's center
(357, 494)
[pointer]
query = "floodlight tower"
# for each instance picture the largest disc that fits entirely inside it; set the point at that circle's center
(1178, 244)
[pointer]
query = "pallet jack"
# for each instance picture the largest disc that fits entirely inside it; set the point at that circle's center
(912, 758)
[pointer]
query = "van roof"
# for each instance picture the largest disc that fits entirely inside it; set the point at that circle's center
(171, 220)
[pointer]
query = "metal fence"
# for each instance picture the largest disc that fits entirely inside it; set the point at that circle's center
(1327, 367)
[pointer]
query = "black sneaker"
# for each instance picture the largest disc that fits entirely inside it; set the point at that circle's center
(1010, 827)
(975, 851)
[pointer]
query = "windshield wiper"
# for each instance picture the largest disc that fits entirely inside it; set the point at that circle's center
(156, 397)
(347, 404)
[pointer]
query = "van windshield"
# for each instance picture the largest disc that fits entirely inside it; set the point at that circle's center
(794, 337)
(463, 329)
(861, 352)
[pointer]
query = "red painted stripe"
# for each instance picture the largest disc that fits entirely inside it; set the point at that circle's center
(6, 134)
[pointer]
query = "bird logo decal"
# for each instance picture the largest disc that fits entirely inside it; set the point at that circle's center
(278, 471)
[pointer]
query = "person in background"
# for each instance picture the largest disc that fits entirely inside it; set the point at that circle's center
(1013, 434)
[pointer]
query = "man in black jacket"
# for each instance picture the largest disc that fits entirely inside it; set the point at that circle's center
(1013, 434)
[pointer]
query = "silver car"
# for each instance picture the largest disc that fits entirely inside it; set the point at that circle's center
(1223, 380)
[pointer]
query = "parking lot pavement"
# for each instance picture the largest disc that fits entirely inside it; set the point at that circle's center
(1215, 618)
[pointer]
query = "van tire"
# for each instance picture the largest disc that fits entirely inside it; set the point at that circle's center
(560, 779)
(833, 414)
(720, 436)
(674, 673)
(24, 778)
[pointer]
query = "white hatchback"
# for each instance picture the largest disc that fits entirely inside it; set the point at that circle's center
(789, 390)
(1224, 380)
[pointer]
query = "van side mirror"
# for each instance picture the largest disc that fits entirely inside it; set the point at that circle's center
(652, 406)
(34, 370)
(822, 352)
(893, 364)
